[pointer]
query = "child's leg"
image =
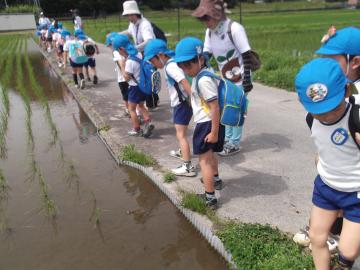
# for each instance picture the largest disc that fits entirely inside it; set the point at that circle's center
(134, 118)
(349, 245)
(144, 112)
(183, 141)
(87, 73)
(75, 78)
(320, 224)
(206, 162)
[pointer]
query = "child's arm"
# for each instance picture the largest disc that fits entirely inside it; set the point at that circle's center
(127, 76)
(65, 58)
(357, 137)
(187, 87)
(97, 49)
(212, 137)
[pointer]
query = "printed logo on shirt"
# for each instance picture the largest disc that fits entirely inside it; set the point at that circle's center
(339, 136)
(358, 195)
(317, 92)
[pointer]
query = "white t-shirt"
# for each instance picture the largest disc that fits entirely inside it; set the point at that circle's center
(133, 67)
(208, 90)
(56, 38)
(141, 31)
(220, 45)
(67, 45)
(77, 22)
(339, 156)
(177, 75)
(118, 57)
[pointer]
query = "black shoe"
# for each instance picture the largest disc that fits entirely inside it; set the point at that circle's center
(95, 79)
(217, 184)
(211, 203)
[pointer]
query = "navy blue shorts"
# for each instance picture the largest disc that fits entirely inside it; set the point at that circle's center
(182, 114)
(135, 95)
(75, 65)
(200, 132)
(328, 198)
(61, 49)
(90, 63)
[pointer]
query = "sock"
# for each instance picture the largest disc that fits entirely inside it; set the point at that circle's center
(187, 164)
(75, 78)
(337, 226)
(216, 177)
(344, 262)
(81, 76)
(147, 121)
(210, 195)
(137, 129)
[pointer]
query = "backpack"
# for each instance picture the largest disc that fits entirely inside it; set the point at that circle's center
(255, 58)
(159, 34)
(89, 48)
(150, 79)
(354, 119)
(77, 53)
(232, 100)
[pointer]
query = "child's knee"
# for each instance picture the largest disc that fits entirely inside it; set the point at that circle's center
(317, 238)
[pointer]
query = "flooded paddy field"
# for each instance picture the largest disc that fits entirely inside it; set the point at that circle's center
(64, 202)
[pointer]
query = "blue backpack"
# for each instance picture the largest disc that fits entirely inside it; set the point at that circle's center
(232, 101)
(150, 79)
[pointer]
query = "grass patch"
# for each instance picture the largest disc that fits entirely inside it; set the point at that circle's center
(129, 153)
(193, 202)
(169, 177)
(255, 246)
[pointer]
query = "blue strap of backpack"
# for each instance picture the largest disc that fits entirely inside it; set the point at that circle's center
(354, 119)
(136, 59)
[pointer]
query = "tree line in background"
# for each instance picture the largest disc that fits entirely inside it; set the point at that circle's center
(96, 8)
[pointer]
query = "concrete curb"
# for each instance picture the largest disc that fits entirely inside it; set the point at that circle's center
(114, 149)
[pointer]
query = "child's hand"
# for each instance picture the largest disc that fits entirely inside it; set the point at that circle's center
(211, 138)
(357, 137)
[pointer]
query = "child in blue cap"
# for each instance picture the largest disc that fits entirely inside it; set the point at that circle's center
(90, 48)
(160, 56)
(73, 48)
(136, 98)
(321, 87)
(209, 134)
(344, 46)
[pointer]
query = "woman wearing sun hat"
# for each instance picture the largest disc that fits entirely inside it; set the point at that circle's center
(227, 42)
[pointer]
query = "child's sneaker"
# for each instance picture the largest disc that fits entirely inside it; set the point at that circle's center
(60, 64)
(176, 153)
(229, 150)
(149, 127)
(82, 83)
(211, 203)
(77, 86)
(89, 79)
(183, 170)
(302, 237)
(137, 133)
(218, 184)
(95, 81)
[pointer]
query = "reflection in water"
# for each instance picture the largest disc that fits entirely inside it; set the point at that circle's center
(84, 126)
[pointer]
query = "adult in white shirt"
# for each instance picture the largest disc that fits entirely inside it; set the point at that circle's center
(142, 32)
(76, 19)
(43, 19)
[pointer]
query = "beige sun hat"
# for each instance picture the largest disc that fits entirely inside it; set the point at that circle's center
(213, 8)
(130, 7)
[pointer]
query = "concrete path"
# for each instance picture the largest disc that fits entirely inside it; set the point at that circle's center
(269, 181)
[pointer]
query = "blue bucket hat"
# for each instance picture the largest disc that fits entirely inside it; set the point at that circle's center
(78, 32)
(123, 41)
(109, 38)
(60, 26)
(82, 37)
(156, 46)
(320, 85)
(344, 41)
(188, 48)
(65, 33)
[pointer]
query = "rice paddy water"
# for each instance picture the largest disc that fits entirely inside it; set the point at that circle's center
(64, 203)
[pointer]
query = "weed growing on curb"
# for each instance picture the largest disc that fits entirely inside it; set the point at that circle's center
(255, 246)
(4, 187)
(129, 153)
(193, 202)
(169, 177)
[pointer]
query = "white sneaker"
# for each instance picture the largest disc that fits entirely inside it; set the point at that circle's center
(133, 132)
(82, 83)
(60, 65)
(176, 153)
(302, 237)
(184, 171)
(148, 129)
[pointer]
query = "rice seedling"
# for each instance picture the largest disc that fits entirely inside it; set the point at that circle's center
(48, 203)
(71, 176)
(4, 187)
(96, 211)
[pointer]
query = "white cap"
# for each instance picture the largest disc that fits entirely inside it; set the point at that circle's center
(130, 7)
(41, 13)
